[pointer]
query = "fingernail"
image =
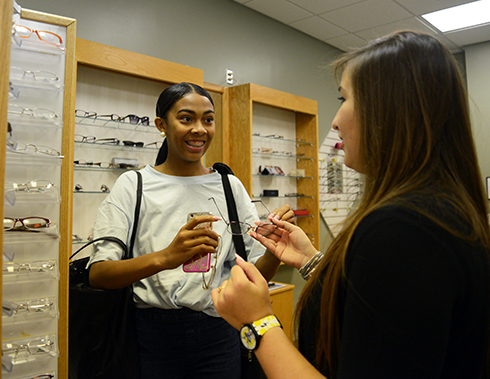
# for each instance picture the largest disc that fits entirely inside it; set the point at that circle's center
(238, 258)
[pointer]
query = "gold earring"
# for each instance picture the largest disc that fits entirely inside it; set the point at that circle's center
(162, 134)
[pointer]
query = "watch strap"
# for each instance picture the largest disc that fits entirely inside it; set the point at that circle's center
(264, 324)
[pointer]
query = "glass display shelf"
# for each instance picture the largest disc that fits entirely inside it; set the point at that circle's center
(25, 350)
(32, 159)
(96, 168)
(284, 197)
(282, 176)
(120, 146)
(31, 44)
(28, 83)
(32, 122)
(105, 123)
(91, 192)
(281, 156)
(277, 138)
(29, 310)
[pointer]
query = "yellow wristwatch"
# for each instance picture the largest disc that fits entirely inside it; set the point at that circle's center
(250, 334)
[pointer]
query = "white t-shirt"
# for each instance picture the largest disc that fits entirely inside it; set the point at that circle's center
(166, 202)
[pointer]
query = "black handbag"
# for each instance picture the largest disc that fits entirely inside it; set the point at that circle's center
(102, 326)
(250, 365)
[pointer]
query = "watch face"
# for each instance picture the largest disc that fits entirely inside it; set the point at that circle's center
(248, 337)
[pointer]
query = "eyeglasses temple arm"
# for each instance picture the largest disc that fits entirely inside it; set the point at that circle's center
(214, 201)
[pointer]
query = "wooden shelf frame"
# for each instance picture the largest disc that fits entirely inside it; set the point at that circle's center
(237, 142)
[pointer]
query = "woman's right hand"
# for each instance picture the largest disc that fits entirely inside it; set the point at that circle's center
(189, 242)
(289, 243)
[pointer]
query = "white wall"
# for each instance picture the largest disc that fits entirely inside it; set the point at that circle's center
(478, 78)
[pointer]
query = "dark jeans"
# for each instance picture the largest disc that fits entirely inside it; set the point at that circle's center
(185, 344)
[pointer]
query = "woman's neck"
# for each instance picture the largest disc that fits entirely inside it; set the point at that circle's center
(186, 169)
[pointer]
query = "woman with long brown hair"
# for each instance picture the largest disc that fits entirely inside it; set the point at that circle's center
(404, 289)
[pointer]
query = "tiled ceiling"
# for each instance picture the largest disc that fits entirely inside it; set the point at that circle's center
(350, 23)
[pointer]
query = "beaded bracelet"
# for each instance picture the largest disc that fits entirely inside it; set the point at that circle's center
(310, 266)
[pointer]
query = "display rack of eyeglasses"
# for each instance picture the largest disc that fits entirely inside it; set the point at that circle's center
(129, 122)
(106, 145)
(274, 150)
(35, 207)
(276, 157)
(340, 186)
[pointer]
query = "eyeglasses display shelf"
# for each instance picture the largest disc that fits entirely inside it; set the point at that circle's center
(36, 181)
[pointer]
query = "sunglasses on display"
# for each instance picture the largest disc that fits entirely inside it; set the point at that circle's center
(134, 144)
(133, 119)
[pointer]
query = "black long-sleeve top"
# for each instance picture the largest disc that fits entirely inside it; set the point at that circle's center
(415, 303)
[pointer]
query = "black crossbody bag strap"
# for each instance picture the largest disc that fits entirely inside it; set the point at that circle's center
(232, 210)
(139, 194)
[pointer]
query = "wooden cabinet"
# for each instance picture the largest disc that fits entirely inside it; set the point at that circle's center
(289, 125)
(282, 306)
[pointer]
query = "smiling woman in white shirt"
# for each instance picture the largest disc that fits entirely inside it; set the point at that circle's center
(180, 334)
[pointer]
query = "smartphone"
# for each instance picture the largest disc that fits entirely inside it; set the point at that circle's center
(199, 262)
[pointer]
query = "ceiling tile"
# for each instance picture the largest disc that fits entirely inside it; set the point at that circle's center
(346, 42)
(318, 28)
(407, 24)
(280, 10)
(366, 15)
(470, 36)
(321, 6)
(242, 1)
(420, 7)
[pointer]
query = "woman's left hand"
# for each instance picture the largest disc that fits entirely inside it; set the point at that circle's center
(244, 298)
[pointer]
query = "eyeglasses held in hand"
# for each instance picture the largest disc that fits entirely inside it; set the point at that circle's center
(207, 283)
(28, 267)
(10, 308)
(30, 223)
(37, 113)
(45, 36)
(35, 347)
(240, 228)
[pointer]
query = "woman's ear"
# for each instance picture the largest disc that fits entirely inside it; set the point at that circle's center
(160, 124)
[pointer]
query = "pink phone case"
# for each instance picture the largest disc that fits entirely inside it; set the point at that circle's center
(198, 263)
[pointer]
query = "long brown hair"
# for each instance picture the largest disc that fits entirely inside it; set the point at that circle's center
(415, 138)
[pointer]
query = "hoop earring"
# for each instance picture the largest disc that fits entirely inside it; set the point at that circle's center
(163, 134)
